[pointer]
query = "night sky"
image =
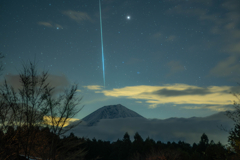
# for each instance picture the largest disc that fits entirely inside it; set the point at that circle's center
(163, 58)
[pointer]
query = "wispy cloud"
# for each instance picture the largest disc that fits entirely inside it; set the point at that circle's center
(78, 16)
(175, 66)
(138, 101)
(224, 26)
(46, 24)
(218, 108)
(171, 38)
(50, 25)
(60, 82)
(163, 36)
(227, 67)
(157, 35)
(94, 87)
(48, 120)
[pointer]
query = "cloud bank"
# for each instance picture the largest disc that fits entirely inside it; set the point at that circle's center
(172, 129)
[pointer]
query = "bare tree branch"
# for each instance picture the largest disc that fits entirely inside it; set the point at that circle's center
(27, 108)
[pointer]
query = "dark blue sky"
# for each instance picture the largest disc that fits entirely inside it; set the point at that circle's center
(170, 59)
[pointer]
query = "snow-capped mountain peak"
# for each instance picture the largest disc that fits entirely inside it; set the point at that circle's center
(110, 112)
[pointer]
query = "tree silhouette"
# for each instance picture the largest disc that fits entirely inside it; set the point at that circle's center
(234, 134)
(27, 107)
(126, 146)
(203, 144)
(138, 145)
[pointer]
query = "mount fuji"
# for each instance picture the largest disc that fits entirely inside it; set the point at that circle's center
(111, 122)
(110, 112)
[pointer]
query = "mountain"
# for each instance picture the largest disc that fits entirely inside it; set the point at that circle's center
(110, 112)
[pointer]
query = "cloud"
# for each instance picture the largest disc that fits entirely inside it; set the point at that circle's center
(186, 9)
(77, 16)
(13, 80)
(50, 25)
(46, 24)
(227, 67)
(231, 5)
(171, 38)
(48, 121)
(57, 81)
(224, 25)
(229, 26)
(203, 2)
(172, 129)
(157, 35)
(94, 87)
(234, 47)
(138, 101)
(218, 108)
(161, 36)
(175, 94)
(175, 66)
(215, 98)
(187, 91)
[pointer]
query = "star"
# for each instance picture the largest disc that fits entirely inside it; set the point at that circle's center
(128, 17)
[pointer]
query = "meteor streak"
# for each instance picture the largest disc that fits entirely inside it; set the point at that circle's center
(102, 42)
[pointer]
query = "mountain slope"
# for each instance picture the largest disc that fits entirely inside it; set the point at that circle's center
(110, 112)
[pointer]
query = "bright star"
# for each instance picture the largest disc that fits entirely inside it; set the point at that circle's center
(128, 17)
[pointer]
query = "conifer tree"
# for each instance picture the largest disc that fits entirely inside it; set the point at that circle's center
(203, 144)
(126, 146)
(138, 144)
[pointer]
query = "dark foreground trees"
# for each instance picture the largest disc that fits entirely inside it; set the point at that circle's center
(126, 149)
(148, 149)
(27, 110)
(234, 134)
